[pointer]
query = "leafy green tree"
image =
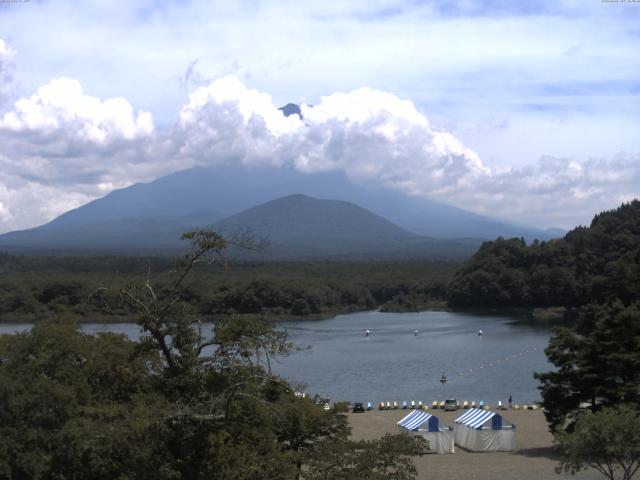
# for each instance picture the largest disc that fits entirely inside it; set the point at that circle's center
(389, 458)
(69, 403)
(607, 441)
(186, 402)
(595, 264)
(597, 361)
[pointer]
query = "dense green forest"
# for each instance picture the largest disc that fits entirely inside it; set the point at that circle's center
(33, 288)
(590, 264)
(77, 406)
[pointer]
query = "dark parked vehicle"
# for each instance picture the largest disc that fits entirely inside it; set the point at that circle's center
(358, 407)
(450, 405)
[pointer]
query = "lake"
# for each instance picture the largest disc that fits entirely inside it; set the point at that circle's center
(394, 364)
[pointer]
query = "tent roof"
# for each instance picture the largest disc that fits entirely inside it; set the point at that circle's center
(475, 417)
(414, 420)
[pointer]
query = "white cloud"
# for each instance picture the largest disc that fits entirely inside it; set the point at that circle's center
(377, 137)
(465, 61)
(24, 203)
(62, 105)
(61, 147)
(228, 122)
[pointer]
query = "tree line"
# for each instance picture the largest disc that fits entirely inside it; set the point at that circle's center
(597, 264)
(35, 288)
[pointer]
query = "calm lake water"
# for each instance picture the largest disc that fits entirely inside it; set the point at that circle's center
(394, 364)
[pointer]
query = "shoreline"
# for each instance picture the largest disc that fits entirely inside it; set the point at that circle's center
(518, 314)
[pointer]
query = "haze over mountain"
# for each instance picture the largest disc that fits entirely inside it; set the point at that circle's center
(151, 216)
(302, 226)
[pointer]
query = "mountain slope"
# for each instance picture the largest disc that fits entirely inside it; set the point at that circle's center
(143, 235)
(229, 190)
(299, 226)
(154, 213)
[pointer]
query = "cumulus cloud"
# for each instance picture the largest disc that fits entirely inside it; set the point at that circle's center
(60, 134)
(62, 105)
(228, 122)
(61, 147)
(379, 138)
(24, 203)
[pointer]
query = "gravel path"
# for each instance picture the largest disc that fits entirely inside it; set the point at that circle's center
(534, 460)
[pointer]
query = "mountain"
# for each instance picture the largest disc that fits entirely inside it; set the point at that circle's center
(150, 216)
(144, 235)
(291, 109)
(299, 226)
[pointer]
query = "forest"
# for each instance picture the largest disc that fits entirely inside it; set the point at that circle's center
(34, 288)
(590, 264)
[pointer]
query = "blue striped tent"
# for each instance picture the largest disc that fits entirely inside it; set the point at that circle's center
(426, 425)
(417, 418)
(481, 430)
(476, 418)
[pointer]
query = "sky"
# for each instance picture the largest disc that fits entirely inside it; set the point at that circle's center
(525, 111)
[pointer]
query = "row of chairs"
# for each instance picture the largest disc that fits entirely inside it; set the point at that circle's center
(441, 405)
(405, 405)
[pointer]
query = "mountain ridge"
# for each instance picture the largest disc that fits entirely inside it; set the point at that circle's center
(203, 196)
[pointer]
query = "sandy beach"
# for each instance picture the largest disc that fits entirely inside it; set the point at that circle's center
(534, 459)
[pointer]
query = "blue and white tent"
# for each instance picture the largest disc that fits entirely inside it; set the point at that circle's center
(426, 425)
(481, 430)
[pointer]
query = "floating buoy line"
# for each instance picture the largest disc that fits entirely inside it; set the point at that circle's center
(498, 362)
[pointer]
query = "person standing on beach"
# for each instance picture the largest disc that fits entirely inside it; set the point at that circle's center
(509, 401)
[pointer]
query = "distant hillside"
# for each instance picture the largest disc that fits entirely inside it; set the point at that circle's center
(298, 226)
(152, 215)
(97, 235)
(590, 264)
(295, 226)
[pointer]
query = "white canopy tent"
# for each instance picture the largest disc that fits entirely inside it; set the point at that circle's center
(483, 431)
(426, 425)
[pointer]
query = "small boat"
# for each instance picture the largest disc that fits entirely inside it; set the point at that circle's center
(366, 333)
(443, 378)
(415, 333)
(480, 332)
